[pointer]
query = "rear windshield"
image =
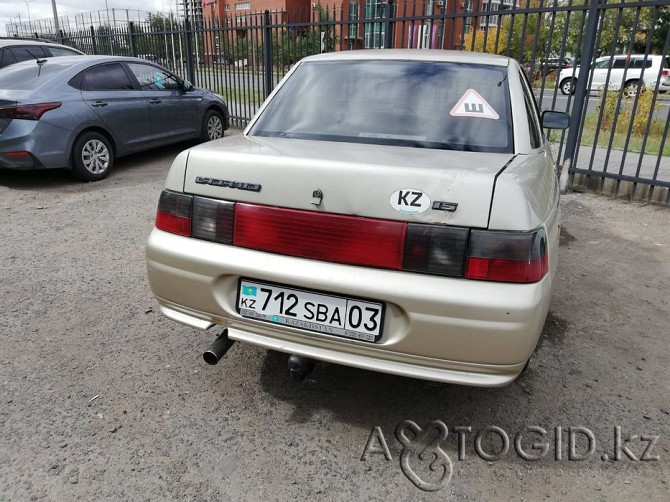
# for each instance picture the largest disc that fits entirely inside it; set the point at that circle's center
(421, 104)
(28, 76)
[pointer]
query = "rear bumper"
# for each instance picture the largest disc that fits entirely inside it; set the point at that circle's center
(48, 145)
(435, 328)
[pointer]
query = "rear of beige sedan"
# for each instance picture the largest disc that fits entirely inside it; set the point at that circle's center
(393, 246)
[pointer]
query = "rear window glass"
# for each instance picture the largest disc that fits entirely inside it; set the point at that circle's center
(419, 104)
(29, 76)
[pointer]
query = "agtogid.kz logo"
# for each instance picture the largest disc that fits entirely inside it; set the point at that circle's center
(425, 463)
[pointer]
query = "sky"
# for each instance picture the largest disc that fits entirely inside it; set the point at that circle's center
(41, 9)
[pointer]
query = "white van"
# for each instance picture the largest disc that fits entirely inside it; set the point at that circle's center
(622, 69)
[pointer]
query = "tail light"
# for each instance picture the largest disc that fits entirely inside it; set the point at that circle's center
(27, 112)
(518, 257)
(507, 256)
(665, 73)
(174, 213)
(435, 249)
(321, 236)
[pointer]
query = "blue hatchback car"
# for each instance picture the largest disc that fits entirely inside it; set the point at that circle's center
(82, 112)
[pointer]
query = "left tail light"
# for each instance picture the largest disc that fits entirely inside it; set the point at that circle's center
(516, 257)
(174, 213)
(27, 112)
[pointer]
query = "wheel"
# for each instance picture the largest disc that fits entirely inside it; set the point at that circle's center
(568, 86)
(212, 126)
(630, 88)
(92, 156)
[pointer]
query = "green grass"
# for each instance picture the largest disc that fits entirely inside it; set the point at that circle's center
(236, 95)
(652, 145)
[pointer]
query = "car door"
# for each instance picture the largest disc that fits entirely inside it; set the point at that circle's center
(175, 114)
(599, 73)
(118, 102)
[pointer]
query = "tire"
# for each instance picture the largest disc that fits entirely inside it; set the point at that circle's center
(212, 126)
(568, 86)
(92, 156)
(630, 88)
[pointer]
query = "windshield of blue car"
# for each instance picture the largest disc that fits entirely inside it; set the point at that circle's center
(421, 104)
(29, 75)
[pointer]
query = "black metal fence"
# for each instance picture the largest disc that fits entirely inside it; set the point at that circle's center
(604, 61)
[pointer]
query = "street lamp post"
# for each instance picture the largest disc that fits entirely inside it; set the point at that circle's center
(56, 26)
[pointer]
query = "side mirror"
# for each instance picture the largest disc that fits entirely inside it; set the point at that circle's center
(555, 120)
(187, 86)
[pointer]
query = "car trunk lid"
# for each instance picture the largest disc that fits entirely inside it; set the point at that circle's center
(373, 181)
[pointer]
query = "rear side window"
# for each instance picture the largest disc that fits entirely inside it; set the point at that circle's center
(6, 57)
(419, 104)
(531, 111)
(106, 77)
(59, 51)
(641, 63)
(25, 53)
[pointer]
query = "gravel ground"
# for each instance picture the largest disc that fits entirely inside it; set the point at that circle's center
(104, 399)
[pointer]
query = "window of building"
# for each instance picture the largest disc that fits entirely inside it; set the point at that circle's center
(243, 6)
(353, 16)
(240, 19)
(226, 7)
(375, 33)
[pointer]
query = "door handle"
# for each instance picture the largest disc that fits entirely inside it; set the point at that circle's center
(154, 101)
(99, 104)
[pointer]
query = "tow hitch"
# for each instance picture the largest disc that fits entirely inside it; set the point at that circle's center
(299, 367)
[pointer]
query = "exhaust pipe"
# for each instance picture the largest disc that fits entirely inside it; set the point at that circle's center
(300, 367)
(218, 349)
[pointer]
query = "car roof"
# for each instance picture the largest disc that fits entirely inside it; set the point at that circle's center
(413, 55)
(83, 60)
(11, 42)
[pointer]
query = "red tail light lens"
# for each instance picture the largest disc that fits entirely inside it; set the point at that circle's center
(507, 256)
(666, 73)
(174, 213)
(27, 112)
(320, 236)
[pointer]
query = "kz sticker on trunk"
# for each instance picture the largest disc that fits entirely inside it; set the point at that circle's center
(409, 201)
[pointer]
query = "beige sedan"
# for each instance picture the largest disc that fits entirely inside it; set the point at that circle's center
(392, 210)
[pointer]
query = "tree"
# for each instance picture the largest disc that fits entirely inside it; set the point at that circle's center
(494, 38)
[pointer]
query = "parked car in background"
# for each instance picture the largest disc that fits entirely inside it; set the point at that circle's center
(552, 64)
(15, 50)
(613, 72)
(392, 210)
(83, 112)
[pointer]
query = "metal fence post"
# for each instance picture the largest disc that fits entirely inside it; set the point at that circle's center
(581, 94)
(133, 44)
(267, 54)
(388, 28)
(190, 67)
(93, 42)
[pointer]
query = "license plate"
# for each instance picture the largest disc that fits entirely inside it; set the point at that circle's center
(330, 314)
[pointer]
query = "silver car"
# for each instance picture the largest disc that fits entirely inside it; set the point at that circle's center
(82, 112)
(14, 50)
(392, 210)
